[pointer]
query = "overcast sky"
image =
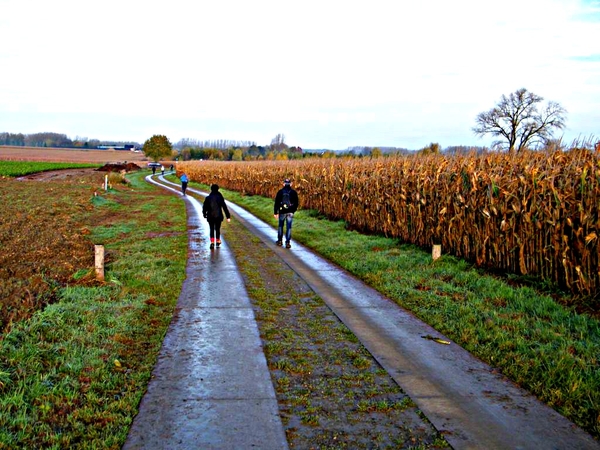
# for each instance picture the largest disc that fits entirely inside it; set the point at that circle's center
(325, 73)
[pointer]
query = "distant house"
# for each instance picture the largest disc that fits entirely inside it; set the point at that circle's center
(129, 147)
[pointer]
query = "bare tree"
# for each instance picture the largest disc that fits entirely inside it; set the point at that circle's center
(278, 143)
(517, 120)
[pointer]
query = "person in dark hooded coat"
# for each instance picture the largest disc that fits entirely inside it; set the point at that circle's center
(212, 210)
(286, 204)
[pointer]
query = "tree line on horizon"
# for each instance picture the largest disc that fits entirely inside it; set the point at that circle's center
(226, 149)
(56, 140)
(519, 121)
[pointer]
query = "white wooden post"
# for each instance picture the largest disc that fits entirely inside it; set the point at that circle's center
(99, 261)
(436, 251)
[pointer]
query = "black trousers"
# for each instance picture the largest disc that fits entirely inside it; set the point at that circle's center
(215, 229)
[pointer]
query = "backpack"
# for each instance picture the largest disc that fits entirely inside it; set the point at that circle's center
(214, 207)
(286, 203)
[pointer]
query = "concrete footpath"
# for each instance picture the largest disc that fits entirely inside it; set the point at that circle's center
(468, 401)
(210, 388)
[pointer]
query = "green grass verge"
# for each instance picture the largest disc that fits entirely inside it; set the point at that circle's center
(545, 347)
(73, 374)
(20, 168)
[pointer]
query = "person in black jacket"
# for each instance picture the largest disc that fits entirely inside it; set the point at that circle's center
(286, 204)
(212, 210)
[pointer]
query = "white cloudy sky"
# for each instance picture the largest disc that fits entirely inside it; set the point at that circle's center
(325, 73)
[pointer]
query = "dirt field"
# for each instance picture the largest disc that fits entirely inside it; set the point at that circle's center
(44, 241)
(69, 155)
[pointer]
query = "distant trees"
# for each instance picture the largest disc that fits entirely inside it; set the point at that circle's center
(278, 143)
(49, 139)
(376, 152)
(35, 140)
(158, 147)
(83, 142)
(228, 150)
(518, 122)
(367, 151)
(221, 144)
(14, 139)
(256, 152)
(237, 155)
(433, 148)
(464, 150)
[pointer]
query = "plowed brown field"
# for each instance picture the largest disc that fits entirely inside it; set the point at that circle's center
(69, 155)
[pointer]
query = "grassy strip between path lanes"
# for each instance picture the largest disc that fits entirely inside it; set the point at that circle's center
(73, 374)
(20, 168)
(543, 346)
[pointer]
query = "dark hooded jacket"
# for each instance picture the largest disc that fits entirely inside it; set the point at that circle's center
(293, 199)
(213, 207)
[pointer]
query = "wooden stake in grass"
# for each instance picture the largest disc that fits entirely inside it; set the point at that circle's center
(99, 261)
(436, 251)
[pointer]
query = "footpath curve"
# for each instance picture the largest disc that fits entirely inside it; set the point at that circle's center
(468, 401)
(211, 387)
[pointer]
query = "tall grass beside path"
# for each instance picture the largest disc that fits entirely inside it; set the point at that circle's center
(544, 346)
(72, 375)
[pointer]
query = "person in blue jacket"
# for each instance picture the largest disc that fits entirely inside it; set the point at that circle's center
(212, 210)
(184, 182)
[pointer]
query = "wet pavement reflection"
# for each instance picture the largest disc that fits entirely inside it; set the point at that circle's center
(210, 388)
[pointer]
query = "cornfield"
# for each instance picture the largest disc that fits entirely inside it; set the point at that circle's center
(532, 213)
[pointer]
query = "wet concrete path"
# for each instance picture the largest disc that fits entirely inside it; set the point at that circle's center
(211, 387)
(474, 406)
